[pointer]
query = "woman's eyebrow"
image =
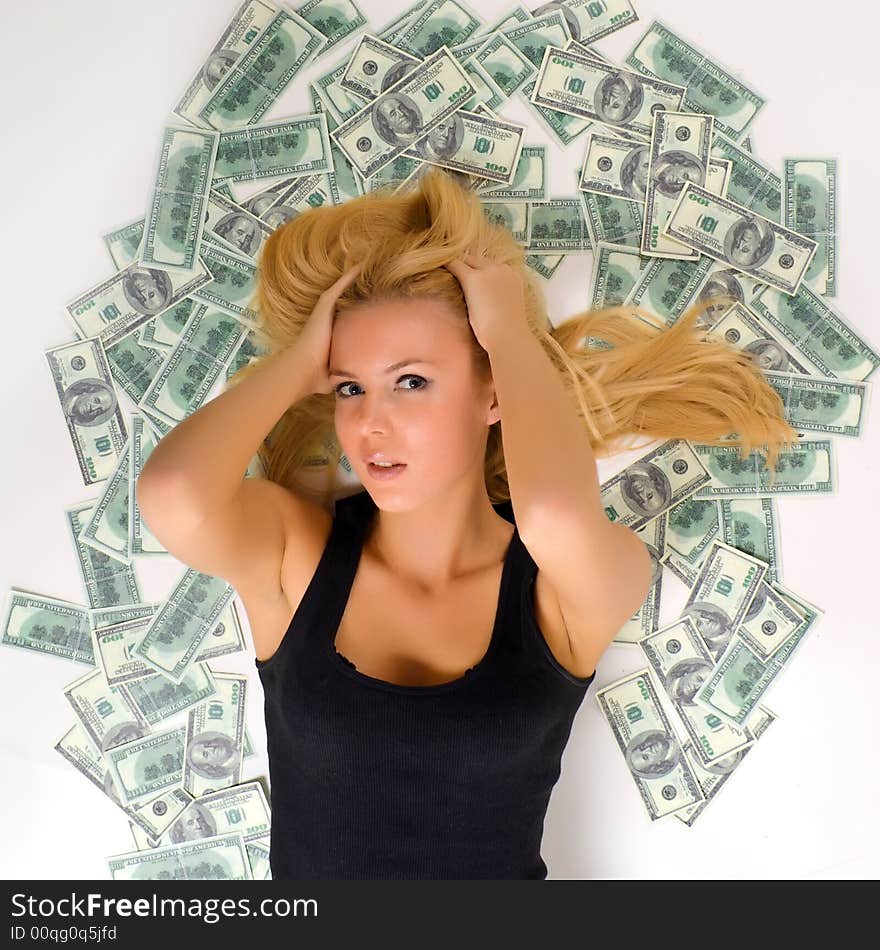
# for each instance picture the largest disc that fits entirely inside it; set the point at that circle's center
(388, 369)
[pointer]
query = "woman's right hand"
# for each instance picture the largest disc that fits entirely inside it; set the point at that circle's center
(314, 341)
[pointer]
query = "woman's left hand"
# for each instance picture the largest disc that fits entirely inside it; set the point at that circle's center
(493, 292)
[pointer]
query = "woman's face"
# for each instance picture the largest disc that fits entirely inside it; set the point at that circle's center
(433, 414)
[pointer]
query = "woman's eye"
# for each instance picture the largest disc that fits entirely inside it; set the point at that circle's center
(344, 395)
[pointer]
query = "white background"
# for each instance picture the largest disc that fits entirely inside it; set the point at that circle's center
(87, 88)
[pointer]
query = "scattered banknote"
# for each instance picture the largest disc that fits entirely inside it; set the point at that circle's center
(172, 236)
(649, 744)
(811, 208)
(679, 153)
(217, 858)
(576, 83)
(733, 234)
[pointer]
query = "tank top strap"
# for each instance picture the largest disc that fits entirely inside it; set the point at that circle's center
(323, 601)
(523, 635)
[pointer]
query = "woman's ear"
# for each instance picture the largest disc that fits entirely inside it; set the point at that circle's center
(494, 414)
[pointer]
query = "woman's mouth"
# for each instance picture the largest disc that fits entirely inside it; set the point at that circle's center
(385, 472)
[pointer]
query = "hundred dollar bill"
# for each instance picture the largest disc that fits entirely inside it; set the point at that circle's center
(740, 238)
(215, 737)
(241, 808)
(474, 144)
(107, 526)
(105, 711)
(194, 365)
(713, 777)
(649, 744)
(234, 226)
(807, 469)
(248, 22)
(222, 858)
(681, 662)
(555, 226)
(741, 677)
(122, 243)
(811, 209)
(725, 586)
(818, 331)
(89, 402)
(47, 625)
(144, 767)
(297, 145)
(615, 270)
(374, 66)
(404, 113)
(176, 209)
(106, 580)
(131, 297)
(769, 621)
(679, 153)
(447, 22)
(654, 483)
(742, 328)
(179, 628)
(256, 79)
(710, 88)
(821, 403)
(574, 82)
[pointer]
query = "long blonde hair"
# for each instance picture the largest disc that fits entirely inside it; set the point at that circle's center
(657, 381)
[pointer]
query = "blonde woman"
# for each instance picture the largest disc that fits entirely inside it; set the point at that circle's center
(425, 643)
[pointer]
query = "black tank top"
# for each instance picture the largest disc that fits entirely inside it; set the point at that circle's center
(370, 779)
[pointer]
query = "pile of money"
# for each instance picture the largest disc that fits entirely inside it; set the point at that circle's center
(673, 205)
